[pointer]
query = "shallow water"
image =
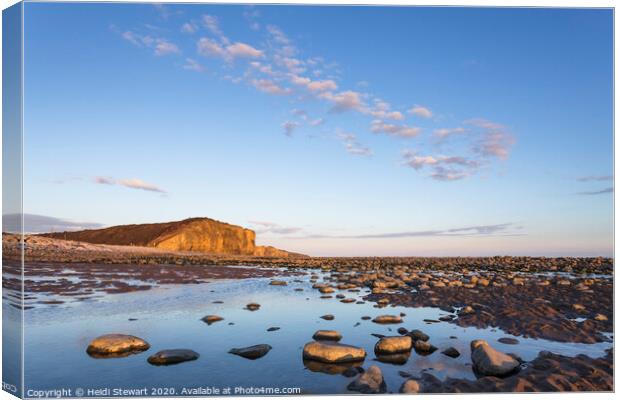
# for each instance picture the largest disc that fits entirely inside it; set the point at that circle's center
(169, 317)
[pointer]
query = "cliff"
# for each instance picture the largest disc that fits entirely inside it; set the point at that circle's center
(203, 235)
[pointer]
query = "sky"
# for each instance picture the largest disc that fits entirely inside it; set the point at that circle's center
(330, 131)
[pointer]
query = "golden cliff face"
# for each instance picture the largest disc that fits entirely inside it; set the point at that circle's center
(203, 235)
(208, 236)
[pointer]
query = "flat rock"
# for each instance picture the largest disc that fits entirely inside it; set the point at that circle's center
(333, 352)
(451, 352)
(116, 344)
(393, 344)
(252, 306)
(278, 283)
(252, 352)
(273, 328)
(369, 382)
(490, 362)
(210, 319)
(327, 317)
(173, 356)
(507, 340)
(327, 335)
(387, 319)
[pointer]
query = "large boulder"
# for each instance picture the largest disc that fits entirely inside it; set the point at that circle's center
(333, 352)
(252, 352)
(116, 345)
(490, 362)
(173, 356)
(369, 382)
(393, 344)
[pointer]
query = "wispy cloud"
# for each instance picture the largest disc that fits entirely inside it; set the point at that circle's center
(193, 65)
(352, 146)
(289, 127)
(35, 223)
(160, 46)
(128, 183)
(505, 229)
(595, 178)
(262, 227)
(596, 192)
(443, 168)
(273, 64)
(421, 111)
(378, 126)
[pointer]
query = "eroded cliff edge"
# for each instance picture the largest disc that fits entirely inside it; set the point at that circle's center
(203, 235)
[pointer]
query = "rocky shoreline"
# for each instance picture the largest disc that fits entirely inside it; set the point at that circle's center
(558, 299)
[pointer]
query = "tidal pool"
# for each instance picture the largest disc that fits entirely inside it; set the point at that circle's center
(169, 316)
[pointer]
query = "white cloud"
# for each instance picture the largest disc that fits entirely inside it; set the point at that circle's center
(444, 168)
(209, 47)
(243, 50)
(378, 126)
(343, 101)
(269, 86)
(161, 47)
(129, 183)
(445, 132)
(164, 47)
(421, 111)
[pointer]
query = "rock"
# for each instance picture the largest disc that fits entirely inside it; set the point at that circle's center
(490, 362)
(365, 318)
(273, 328)
(326, 289)
(331, 352)
(507, 340)
(393, 344)
(369, 382)
(451, 352)
(417, 334)
(402, 331)
(423, 347)
(348, 300)
(466, 310)
(252, 306)
(578, 307)
(278, 283)
(600, 317)
(410, 386)
(388, 319)
(328, 317)
(116, 344)
(327, 335)
(446, 318)
(252, 352)
(210, 319)
(173, 356)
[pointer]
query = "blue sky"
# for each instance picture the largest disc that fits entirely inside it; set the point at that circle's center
(328, 130)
